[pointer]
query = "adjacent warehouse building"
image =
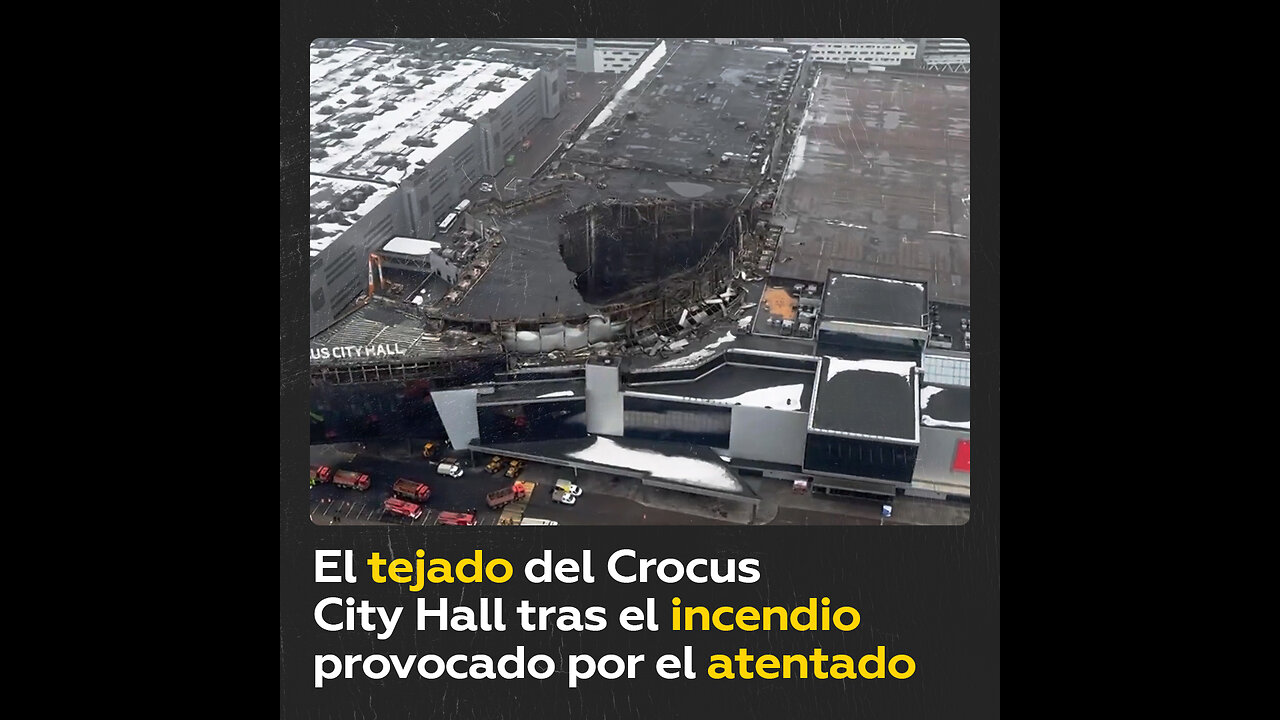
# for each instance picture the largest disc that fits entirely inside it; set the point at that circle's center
(592, 55)
(944, 55)
(398, 135)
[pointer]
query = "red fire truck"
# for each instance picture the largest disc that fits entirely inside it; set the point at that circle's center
(456, 518)
(407, 509)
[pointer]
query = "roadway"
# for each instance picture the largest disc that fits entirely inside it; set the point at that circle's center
(544, 138)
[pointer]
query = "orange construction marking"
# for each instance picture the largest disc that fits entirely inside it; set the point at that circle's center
(780, 302)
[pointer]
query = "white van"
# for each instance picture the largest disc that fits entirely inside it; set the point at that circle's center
(568, 487)
(537, 521)
(449, 469)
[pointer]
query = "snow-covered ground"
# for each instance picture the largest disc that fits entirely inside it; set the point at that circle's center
(685, 470)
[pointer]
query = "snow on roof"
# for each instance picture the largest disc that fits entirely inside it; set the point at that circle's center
(327, 192)
(410, 246)
(685, 470)
(796, 160)
(643, 69)
(926, 394)
(697, 357)
(931, 422)
(389, 112)
(836, 365)
(856, 276)
(561, 393)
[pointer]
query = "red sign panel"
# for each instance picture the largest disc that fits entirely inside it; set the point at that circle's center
(961, 463)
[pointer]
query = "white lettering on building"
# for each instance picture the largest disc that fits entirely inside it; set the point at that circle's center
(357, 351)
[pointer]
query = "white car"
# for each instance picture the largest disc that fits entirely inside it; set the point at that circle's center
(568, 487)
(561, 496)
(449, 469)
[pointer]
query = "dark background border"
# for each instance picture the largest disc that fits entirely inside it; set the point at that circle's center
(931, 592)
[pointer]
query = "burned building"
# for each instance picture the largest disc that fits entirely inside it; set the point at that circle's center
(617, 247)
(636, 298)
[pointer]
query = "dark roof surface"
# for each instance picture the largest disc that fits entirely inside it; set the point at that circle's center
(874, 398)
(879, 183)
(754, 386)
(883, 301)
(673, 128)
(944, 406)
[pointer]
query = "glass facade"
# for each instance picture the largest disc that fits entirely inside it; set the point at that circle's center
(669, 421)
(526, 422)
(354, 412)
(860, 458)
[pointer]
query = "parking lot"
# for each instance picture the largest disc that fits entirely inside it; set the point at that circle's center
(332, 505)
(606, 500)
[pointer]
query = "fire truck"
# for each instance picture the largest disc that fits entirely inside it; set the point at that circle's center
(457, 518)
(396, 506)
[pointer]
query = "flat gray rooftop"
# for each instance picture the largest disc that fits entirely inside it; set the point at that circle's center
(944, 407)
(863, 298)
(742, 385)
(673, 128)
(878, 182)
(867, 397)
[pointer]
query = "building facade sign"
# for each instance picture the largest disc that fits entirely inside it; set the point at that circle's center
(357, 351)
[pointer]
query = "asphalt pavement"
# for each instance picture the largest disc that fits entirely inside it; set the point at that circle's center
(606, 500)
